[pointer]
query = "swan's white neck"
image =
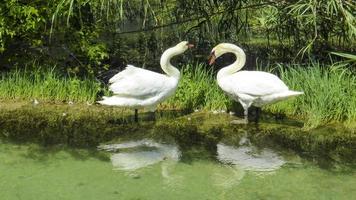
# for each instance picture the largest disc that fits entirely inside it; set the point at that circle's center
(165, 62)
(237, 65)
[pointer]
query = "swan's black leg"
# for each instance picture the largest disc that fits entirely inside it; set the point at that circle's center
(245, 120)
(136, 115)
(258, 112)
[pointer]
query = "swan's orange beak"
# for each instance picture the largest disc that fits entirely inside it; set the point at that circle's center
(190, 46)
(212, 58)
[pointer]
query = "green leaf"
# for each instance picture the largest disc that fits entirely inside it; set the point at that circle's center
(351, 57)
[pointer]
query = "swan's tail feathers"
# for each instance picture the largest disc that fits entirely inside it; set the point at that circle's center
(280, 96)
(287, 94)
(121, 101)
(126, 72)
(112, 101)
(292, 93)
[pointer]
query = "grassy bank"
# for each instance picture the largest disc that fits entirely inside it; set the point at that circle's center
(330, 94)
(47, 85)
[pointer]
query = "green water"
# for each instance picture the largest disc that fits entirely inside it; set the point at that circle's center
(147, 169)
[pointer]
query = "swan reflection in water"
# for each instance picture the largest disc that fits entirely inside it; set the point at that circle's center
(134, 155)
(249, 157)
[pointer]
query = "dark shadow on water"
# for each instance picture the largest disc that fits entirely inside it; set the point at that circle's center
(279, 118)
(198, 152)
(43, 154)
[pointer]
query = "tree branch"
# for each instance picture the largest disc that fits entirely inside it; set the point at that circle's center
(192, 19)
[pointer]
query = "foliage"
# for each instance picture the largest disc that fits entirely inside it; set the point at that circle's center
(315, 25)
(350, 58)
(89, 37)
(19, 20)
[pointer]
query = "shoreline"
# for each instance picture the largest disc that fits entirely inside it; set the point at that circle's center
(86, 126)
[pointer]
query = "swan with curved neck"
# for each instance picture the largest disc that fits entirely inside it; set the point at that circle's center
(248, 87)
(140, 88)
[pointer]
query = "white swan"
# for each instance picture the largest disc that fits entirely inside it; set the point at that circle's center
(248, 87)
(140, 88)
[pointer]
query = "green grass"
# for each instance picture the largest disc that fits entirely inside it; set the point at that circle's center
(47, 85)
(198, 90)
(329, 94)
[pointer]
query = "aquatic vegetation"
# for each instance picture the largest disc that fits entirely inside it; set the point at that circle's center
(329, 93)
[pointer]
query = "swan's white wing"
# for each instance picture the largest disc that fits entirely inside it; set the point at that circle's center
(255, 83)
(140, 83)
